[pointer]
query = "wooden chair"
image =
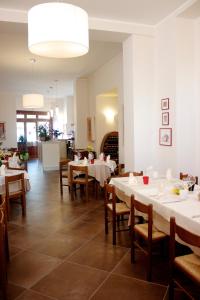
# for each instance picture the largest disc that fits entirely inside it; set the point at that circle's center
(63, 171)
(126, 174)
(182, 176)
(116, 209)
(19, 194)
(3, 209)
(146, 231)
(79, 175)
(120, 168)
(3, 263)
(184, 267)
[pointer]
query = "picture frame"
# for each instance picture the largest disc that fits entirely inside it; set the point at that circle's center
(165, 136)
(165, 103)
(2, 130)
(165, 118)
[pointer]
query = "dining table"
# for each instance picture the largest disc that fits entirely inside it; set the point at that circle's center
(166, 203)
(99, 169)
(14, 186)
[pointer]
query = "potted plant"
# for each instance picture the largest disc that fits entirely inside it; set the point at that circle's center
(43, 133)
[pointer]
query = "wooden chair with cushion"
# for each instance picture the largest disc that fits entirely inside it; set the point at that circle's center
(24, 167)
(116, 209)
(3, 262)
(182, 176)
(18, 193)
(146, 232)
(63, 171)
(185, 269)
(79, 176)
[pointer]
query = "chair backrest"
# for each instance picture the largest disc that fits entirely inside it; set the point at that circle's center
(110, 195)
(185, 235)
(19, 178)
(182, 176)
(64, 164)
(134, 174)
(145, 209)
(77, 170)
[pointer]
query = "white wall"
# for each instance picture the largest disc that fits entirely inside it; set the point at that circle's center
(8, 115)
(103, 124)
(107, 78)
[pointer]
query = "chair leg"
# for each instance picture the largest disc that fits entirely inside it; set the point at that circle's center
(132, 247)
(171, 289)
(23, 202)
(87, 193)
(149, 263)
(106, 220)
(61, 187)
(114, 228)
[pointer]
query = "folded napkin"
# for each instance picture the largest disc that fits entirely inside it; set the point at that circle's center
(90, 155)
(132, 179)
(108, 159)
(13, 162)
(85, 161)
(2, 170)
(101, 156)
(76, 158)
(169, 174)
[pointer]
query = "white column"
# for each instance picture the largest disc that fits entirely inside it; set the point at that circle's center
(81, 105)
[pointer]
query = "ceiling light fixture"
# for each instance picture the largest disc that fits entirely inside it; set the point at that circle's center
(58, 30)
(33, 100)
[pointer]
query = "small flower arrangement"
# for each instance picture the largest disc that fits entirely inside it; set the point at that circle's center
(90, 148)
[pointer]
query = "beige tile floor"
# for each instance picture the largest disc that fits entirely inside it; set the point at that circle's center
(60, 250)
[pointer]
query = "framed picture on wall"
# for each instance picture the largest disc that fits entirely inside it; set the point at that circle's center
(165, 103)
(165, 118)
(165, 136)
(2, 130)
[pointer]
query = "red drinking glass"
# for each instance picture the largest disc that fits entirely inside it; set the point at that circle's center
(146, 179)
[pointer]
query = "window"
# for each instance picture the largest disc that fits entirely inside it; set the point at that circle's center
(28, 122)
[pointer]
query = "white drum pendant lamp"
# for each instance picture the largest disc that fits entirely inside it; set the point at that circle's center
(58, 30)
(33, 101)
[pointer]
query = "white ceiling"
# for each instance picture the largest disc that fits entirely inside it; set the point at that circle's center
(15, 68)
(148, 12)
(193, 11)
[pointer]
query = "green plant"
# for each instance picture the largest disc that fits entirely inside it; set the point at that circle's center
(43, 132)
(22, 139)
(56, 133)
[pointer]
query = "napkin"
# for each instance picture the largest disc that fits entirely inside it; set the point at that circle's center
(85, 161)
(101, 156)
(75, 158)
(13, 162)
(132, 179)
(90, 156)
(108, 159)
(169, 174)
(2, 170)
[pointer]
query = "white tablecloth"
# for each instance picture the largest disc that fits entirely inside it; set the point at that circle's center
(14, 187)
(100, 170)
(165, 205)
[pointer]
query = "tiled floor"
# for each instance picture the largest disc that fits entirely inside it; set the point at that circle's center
(60, 251)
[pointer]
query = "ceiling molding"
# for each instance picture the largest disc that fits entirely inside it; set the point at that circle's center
(19, 16)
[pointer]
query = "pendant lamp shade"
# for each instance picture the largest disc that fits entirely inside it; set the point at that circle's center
(33, 101)
(58, 30)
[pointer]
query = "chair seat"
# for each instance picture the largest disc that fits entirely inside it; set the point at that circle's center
(81, 180)
(65, 174)
(190, 264)
(143, 230)
(15, 194)
(121, 208)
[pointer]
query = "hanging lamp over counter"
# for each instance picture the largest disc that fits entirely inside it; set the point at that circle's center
(58, 30)
(33, 101)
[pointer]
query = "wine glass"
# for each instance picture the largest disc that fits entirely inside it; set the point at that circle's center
(79, 155)
(189, 182)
